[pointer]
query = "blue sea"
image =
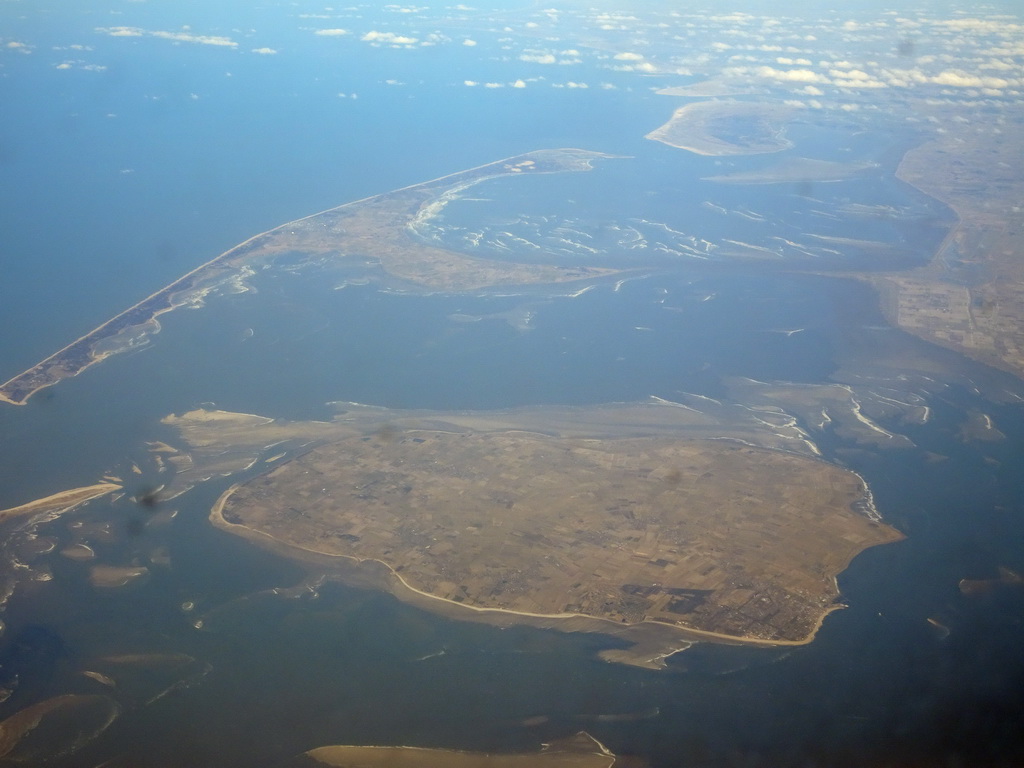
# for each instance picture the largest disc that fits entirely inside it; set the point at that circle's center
(117, 181)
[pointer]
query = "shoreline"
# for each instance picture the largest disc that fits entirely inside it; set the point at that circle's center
(632, 655)
(169, 290)
(694, 118)
(891, 288)
(563, 752)
(62, 500)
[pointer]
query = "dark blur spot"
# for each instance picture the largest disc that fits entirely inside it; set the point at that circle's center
(387, 433)
(135, 526)
(148, 498)
(906, 47)
(804, 188)
(44, 396)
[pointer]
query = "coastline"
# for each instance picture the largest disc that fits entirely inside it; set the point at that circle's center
(692, 120)
(62, 500)
(60, 365)
(651, 641)
(980, 320)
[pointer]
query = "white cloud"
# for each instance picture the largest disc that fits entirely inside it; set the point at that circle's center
(79, 64)
(1000, 26)
(539, 58)
(264, 51)
(643, 66)
(122, 31)
(470, 43)
(959, 79)
(859, 83)
(518, 84)
(331, 32)
(183, 36)
(390, 38)
(627, 56)
(470, 83)
(188, 37)
(790, 75)
(494, 85)
(853, 74)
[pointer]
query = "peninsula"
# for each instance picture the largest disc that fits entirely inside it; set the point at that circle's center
(60, 502)
(378, 230)
(726, 128)
(970, 298)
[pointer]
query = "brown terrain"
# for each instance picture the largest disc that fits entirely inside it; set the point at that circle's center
(725, 128)
(579, 751)
(713, 539)
(970, 298)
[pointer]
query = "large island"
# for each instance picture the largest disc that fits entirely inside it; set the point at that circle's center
(659, 539)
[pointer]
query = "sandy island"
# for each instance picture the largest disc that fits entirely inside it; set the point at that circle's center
(795, 170)
(654, 540)
(580, 751)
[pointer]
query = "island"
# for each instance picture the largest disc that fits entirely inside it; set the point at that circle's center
(380, 231)
(579, 751)
(54, 728)
(658, 539)
(722, 128)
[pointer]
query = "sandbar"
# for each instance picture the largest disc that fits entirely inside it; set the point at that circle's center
(720, 128)
(60, 502)
(54, 727)
(795, 170)
(111, 577)
(581, 751)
